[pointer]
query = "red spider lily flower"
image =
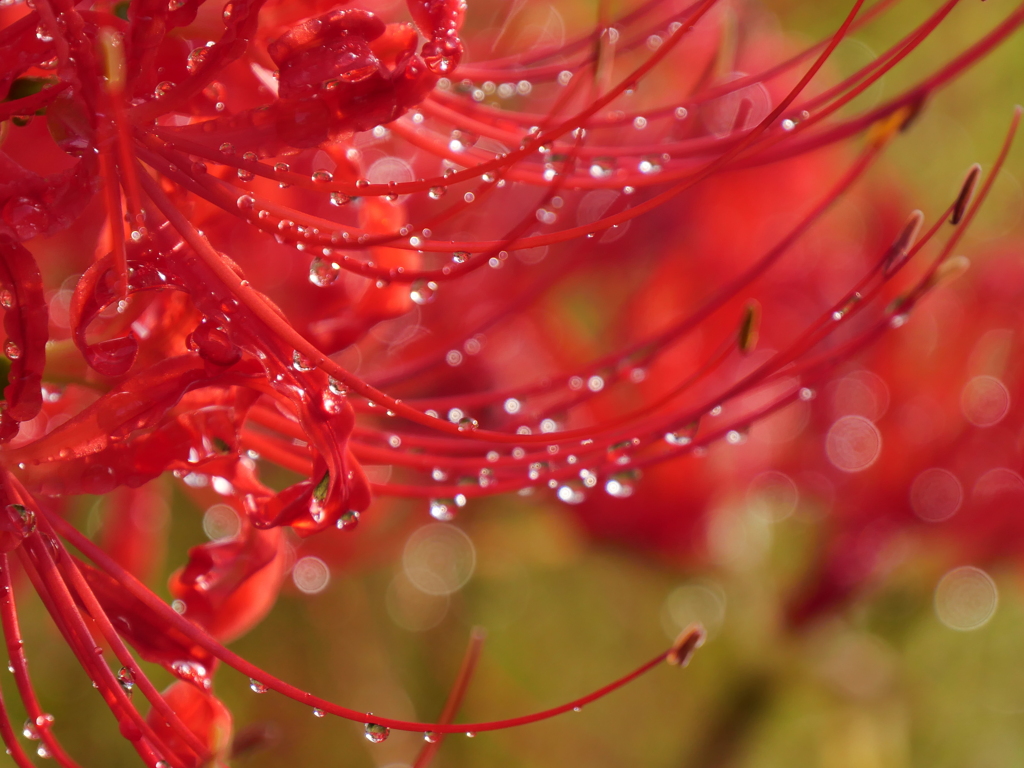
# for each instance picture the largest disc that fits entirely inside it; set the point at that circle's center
(240, 221)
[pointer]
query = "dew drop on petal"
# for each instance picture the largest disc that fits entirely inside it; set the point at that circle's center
(196, 59)
(348, 520)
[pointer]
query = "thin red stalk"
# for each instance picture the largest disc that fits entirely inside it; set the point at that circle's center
(92, 606)
(197, 635)
(133, 727)
(458, 691)
(17, 660)
(10, 738)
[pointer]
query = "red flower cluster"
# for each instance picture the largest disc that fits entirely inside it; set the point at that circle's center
(325, 241)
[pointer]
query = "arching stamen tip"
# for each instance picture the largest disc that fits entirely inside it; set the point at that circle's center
(689, 640)
(884, 129)
(949, 270)
(746, 338)
(903, 243)
(966, 194)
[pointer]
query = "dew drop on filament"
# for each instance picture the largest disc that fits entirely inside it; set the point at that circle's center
(323, 272)
(376, 733)
(423, 291)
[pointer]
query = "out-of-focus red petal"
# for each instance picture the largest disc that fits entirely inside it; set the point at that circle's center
(26, 326)
(203, 714)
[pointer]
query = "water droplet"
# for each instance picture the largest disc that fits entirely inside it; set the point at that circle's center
(332, 403)
(317, 712)
(322, 177)
(467, 424)
(301, 363)
(6, 299)
(570, 493)
(601, 169)
(323, 272)
(443, 509)
(376, 733)
(196, 59)
(126, 676)
(620, 486)
(43, 34)
(348, 520)
(431, 737)
(650, 165)
(436, 193)
(245, 202)
(163, 88)
(257, 686)
(423, 291)
(12, 350)
(340, 198)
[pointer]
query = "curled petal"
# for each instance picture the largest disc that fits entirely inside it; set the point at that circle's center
(229, 586)
(203, 714)
(143, 628)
